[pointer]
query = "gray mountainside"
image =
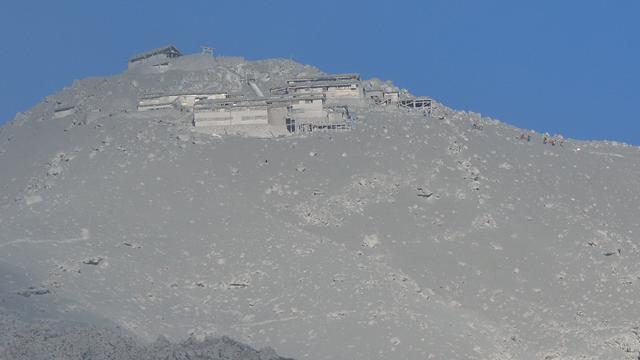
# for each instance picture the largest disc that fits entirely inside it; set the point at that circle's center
(412, 236)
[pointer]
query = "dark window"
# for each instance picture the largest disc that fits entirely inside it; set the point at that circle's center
(291, 125)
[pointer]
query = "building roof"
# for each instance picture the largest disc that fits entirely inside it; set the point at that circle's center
(405, 97)
(170, 50)
(64, 108)
(278, 90)
(230, 103)
(341, 109)
(254, 102)
(327, 77)
(182, 93)
(295, 97)
(171, 103)
(317, 84)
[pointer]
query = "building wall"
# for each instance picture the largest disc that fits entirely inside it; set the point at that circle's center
(277, 116)
(190, 99)
(309, 113)
(353, 92)
(250, 116)
(309, 90)
(155, 107)
(156, 59)
(307, 109)
(231, 116)
(153, 103)
(167, 101)
(212, 118)
(374, 94)
(391, 96)
(337, 117)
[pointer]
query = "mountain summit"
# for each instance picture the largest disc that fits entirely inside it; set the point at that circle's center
(287, 214)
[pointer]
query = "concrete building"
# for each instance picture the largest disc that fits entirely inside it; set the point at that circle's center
(337, 118)
(391, 96)
(290, 113)
(308, 113)
(229, 112)
(188, 100)
(155, 56)
(178, 100)
(415, 103)
(301, 107)
(157, 102)
(380, 96)
(374, 94)
(325, 78)
(331, 90)
(335, 88)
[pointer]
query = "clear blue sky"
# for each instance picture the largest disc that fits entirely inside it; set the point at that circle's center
(569, 67)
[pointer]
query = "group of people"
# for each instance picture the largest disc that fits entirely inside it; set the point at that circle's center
(546, 139)
(477, 126)
(527, 137)
(552, 140)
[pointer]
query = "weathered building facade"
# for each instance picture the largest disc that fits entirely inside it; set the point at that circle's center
(335, 88)
(176, 100)
(292, 113)
(231, 113)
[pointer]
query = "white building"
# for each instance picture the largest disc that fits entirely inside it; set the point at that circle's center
(331, 90)
(391, 96)
(301, 106)
(292, 113)
(156, 102)
(380, 96)
(183, 100)
(188, 100)
(231, 113)
(338, 118)
(415, 103)
(340, 87)
(374, 94)
(324, 78)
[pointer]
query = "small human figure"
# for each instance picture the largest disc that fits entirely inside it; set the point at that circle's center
(544, 139)
(529, 138)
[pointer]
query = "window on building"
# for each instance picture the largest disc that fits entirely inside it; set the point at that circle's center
(291, 125)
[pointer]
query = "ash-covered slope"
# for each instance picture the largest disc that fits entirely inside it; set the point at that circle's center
(409, 237)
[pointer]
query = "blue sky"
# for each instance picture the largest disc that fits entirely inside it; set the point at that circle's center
(568, 67)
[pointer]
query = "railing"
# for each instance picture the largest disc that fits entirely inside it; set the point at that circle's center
(309, 128)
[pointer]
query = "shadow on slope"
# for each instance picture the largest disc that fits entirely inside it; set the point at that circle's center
(35, 324)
